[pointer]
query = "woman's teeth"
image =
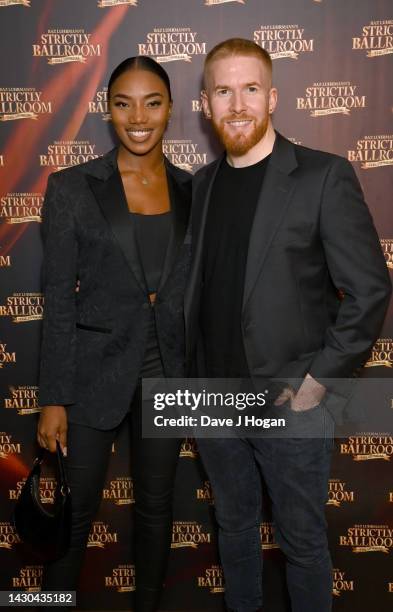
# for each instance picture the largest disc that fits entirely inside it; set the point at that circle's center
(138, 133)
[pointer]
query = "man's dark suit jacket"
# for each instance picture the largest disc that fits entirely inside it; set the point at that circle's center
(312, 235)
(93, 340)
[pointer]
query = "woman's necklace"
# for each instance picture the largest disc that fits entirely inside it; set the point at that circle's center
(143, 178)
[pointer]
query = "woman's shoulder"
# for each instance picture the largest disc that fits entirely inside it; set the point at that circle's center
(99, 167)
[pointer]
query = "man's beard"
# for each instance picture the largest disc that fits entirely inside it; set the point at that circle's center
(240, 144)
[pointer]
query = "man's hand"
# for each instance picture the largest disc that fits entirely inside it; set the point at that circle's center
(310, 394)
(52, 426)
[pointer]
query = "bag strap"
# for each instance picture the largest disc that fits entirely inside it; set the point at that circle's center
(62, 483)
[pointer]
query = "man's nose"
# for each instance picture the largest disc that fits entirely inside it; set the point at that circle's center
(237, 102)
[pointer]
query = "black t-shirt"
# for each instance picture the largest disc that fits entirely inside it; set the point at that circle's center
(228, 226)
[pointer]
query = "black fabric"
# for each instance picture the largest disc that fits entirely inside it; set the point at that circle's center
(153, 466)
(309, 216)
(152, 234)
(86, 231)
(152, 363)
(228, 226)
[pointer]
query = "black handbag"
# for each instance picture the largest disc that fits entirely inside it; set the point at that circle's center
(46, 533)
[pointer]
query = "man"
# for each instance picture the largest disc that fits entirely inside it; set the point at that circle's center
(277, 231)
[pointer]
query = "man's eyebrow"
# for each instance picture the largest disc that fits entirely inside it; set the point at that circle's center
(252, 83)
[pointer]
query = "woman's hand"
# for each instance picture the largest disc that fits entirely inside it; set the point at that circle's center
(52, 426)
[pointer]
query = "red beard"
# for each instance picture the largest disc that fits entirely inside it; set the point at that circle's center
(240, 144)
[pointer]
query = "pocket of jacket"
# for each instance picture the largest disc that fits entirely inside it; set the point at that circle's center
(94, 328)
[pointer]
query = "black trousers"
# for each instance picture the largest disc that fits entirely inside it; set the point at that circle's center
(154, 464)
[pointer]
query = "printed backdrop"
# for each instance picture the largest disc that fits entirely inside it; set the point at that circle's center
(332, 66)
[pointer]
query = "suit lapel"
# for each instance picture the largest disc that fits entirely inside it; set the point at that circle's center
(109, 193)
(201, 198)
(271, 207)
(180, 199)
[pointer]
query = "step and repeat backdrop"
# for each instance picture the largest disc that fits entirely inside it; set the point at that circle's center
(332, 66)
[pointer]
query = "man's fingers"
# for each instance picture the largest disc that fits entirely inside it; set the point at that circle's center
(283, 397)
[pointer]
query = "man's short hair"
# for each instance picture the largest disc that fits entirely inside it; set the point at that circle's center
(238, 46)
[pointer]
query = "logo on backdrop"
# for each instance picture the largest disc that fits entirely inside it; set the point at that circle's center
(63, 46)
(23, 399)
(295, 141)
(368, 538)
(8, 446)
(331, 98)
(184, 153)
(373, 151)
(338, 494)
(8, 536)
(205, 493)
(267, 536)
(376, 38)
(382, 354)
(340, 583)
(122, 578)
(4, 3)
(188, 534)
(196, 106)
(65, 153)
(100, 104)
(212, 579)
(188, 448)
(120, 491)
(100, 535)
(387, 248)
(21, 207)
(23, 307)
(47, 490)
(368, 447)
(5, 261)
(106, 3)
(213, 2)
(6, 356)
(172, 44)
(22, 103)
(29, 578)
(283, 41)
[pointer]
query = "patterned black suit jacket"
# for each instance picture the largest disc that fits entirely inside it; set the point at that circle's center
(93, 340)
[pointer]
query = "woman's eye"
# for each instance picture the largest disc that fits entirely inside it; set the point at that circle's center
(154, 103)
(121, 104)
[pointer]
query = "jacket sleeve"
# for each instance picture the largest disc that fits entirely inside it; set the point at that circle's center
(357, 267)
(58, 346)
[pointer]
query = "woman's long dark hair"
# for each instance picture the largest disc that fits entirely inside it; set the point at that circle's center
(140, 62)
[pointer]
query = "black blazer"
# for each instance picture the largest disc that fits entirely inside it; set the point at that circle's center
(93, 341)
(312, 234)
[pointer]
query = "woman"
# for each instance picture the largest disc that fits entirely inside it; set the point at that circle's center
(114, 227)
